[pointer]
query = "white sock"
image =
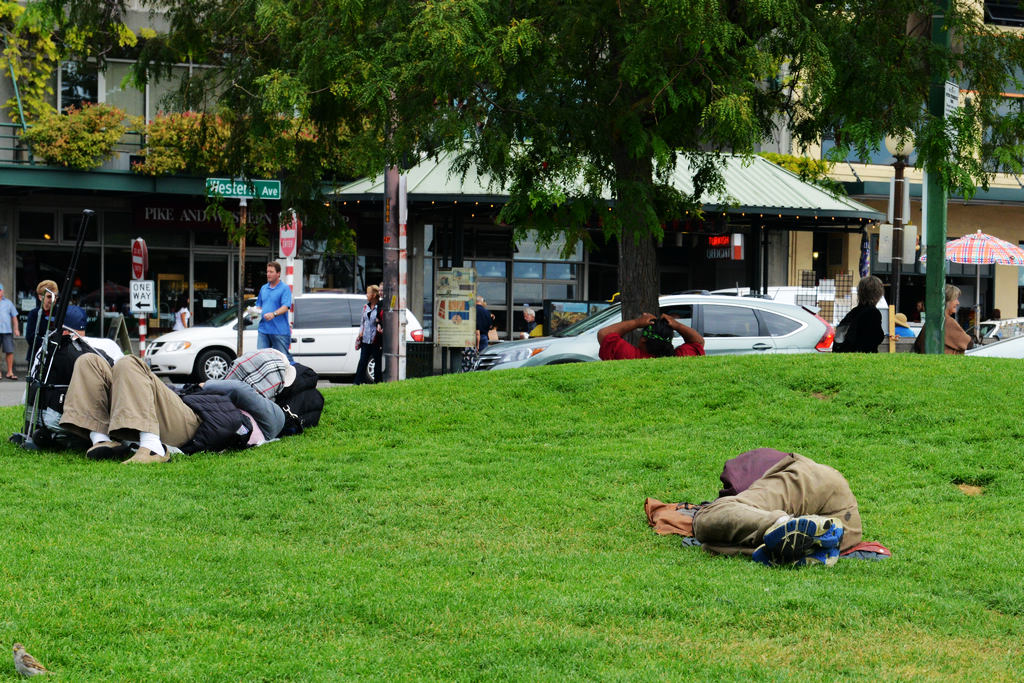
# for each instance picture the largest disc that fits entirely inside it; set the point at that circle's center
(783, 518)
(98, 437)
(151, 441)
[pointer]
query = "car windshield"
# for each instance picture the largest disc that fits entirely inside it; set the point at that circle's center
(222, 318)
(599, 319)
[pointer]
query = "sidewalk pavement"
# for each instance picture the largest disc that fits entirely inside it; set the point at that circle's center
(12, 391)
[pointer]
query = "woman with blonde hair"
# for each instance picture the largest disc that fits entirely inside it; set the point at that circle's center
(955, 341)
(370, 339)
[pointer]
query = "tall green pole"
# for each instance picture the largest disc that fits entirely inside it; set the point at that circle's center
(935, 280)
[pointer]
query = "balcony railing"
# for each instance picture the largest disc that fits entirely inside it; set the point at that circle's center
(14, 150)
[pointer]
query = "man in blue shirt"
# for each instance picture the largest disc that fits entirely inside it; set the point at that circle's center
(8, 331)
(274, 300)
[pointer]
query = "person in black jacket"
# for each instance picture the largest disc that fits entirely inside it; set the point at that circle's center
(861, 330)
(129, 402)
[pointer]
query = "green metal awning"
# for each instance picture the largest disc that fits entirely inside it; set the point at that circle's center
(752, 185)
(42, 178)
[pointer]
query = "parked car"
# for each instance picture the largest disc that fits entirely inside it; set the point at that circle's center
(800, 296)
(1007, 348)
(995, 330)
(730, 325)
(324, 330)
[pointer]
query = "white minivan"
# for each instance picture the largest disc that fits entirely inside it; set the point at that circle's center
(324, 331)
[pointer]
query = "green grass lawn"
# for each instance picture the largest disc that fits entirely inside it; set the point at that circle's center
(490, 526)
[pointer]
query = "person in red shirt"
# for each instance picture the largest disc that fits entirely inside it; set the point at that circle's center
(655, 340)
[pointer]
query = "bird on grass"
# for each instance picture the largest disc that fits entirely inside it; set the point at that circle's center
(26, 664)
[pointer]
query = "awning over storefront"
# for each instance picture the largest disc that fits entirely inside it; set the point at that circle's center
(752, 185)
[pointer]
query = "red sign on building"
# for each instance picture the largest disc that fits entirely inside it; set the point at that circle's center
(140, 258)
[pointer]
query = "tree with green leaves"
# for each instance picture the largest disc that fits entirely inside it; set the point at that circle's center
(580, 110)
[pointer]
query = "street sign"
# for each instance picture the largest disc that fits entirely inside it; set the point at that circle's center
(240, 189)
(140, 258)
(290, 236)
(952, 98)
(142, 296)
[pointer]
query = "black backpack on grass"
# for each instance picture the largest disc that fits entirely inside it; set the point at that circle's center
(301, 401)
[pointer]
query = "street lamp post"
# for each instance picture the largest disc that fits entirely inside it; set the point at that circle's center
(900, 147)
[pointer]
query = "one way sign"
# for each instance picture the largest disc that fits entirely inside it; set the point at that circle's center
(143, 300)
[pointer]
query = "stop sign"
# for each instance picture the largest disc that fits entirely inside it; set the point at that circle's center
(290, 236)
(140, 258)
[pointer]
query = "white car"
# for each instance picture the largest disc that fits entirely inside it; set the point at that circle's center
(324, 331)
(1007, 348)
(729, 324)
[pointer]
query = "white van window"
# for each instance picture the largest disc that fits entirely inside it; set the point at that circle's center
(328, 312)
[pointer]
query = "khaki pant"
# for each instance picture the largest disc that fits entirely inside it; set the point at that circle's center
(795, 486)
(124, 400)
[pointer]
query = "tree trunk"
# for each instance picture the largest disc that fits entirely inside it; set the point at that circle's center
(638, 274)
(638, 265)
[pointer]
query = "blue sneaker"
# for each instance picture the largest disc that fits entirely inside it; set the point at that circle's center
(825, 556)
(810, 539)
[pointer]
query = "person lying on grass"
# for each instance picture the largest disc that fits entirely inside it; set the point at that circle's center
(655, 340)
(127, 402)
(782, 509)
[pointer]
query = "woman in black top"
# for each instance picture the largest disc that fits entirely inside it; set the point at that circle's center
(861, 329)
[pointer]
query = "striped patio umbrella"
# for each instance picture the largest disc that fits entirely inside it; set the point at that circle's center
(982, 250)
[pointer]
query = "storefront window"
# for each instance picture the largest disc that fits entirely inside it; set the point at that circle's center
(528, 249)
(560, 271)
(116, 296)
(536, 273)
(370, 272)
(490, 269)
(167, 238)
(533, 271)
(255, 274)
(36, 225)
(566, 292)
(210, 295)
(117, 228)
(527, 294)
(493, 292)
(428, 298)
(33, 266)
(331, 271)
(211, 238)
(72, 221)
(494, 242)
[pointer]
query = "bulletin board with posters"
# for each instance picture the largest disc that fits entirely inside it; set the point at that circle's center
(455, 307)
(559, 315)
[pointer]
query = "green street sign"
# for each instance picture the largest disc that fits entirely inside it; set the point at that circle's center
(239, 189)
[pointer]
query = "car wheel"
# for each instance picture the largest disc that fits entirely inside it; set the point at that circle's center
(371, 371)
(212, 364)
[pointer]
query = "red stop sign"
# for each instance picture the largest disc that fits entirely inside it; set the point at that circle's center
(290, 236)
(140, 258)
